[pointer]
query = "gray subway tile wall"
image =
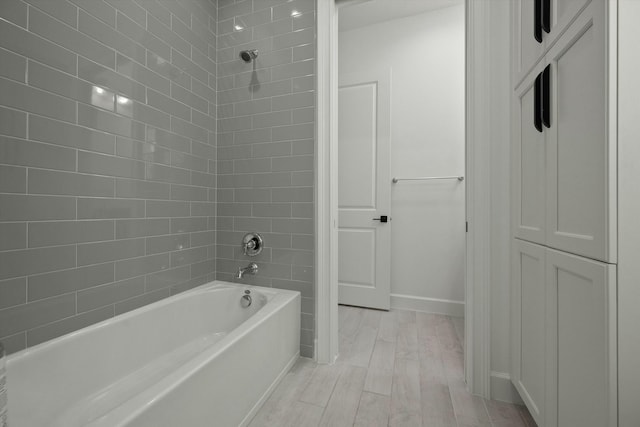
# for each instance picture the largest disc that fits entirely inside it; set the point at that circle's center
(111, 158)
(266, 121)
(107, 159)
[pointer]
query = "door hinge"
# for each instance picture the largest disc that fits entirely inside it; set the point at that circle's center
(466, 227)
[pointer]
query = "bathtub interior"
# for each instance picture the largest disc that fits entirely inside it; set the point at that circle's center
(94, 370)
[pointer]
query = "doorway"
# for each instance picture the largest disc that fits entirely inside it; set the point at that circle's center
(483, 19)
(401, 143)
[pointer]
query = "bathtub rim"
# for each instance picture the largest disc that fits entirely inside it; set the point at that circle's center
(271, 293)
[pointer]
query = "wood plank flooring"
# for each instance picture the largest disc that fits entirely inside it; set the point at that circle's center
(396, 368)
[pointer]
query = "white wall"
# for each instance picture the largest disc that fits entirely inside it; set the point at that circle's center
(426, 56)
(628, 212)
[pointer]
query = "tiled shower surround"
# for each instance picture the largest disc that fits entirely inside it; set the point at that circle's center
(107, 159)
(111, 160)
(266, 147)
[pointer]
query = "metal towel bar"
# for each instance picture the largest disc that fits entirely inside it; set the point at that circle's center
(427, 178)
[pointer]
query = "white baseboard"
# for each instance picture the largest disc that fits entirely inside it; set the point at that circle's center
(502, 389)
(429, 305)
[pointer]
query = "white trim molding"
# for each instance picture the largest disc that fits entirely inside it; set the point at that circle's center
(428, 305)
(478, 162)
(502, 388)
(326, 185)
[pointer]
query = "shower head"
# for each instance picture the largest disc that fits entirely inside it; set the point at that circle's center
(249, 55)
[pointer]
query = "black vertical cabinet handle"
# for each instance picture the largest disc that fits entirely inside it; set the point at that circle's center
(546, 15)
(546, 96)
(537, 103)
(537, 20)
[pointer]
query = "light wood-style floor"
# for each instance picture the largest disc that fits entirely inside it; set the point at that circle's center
(397, 368)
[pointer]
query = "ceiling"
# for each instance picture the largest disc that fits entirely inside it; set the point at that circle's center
(371, 12)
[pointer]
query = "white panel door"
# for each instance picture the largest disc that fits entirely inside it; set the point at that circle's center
(578, 151)
(528, 325)
(581, 342)
(364, 194)
(529, 157)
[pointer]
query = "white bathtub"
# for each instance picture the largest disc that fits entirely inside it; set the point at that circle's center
(195, 359)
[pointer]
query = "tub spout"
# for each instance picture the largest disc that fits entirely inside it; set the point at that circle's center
(252, 268)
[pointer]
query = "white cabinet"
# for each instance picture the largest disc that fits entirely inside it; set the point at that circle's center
(537, 26)
(581, 342)
(578, 162)
(564, 171)
(529, 156)
(564, 336)
(564, 213)
(528, 299)
(527, 50)
(562, 14)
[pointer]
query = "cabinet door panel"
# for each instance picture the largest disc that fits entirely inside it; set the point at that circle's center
(528, 50)
(528, 323)
(529, 156)
(563, 13)
(581, 341)
(577, 157)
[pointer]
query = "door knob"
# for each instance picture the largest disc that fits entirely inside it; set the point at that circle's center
(383, 218)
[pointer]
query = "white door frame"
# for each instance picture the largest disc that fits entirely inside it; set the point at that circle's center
(477, 277)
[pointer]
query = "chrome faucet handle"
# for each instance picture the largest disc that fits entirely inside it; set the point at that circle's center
(252, 244)
(249, 246)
